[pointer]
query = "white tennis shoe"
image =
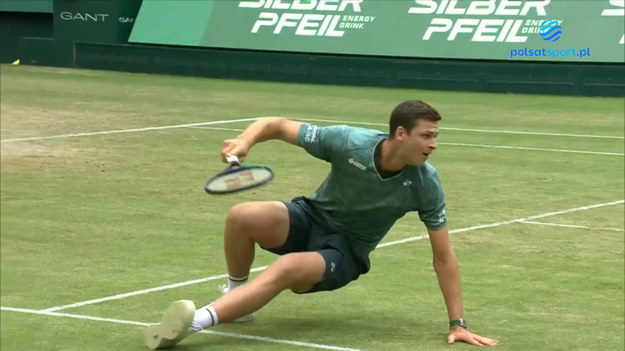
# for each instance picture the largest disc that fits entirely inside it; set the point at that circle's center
(174, 326)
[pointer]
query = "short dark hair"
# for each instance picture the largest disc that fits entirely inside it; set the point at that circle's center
(408, 113)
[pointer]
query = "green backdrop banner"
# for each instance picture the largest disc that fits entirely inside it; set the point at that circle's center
(42, 6)
(538, 30)
(95, 21)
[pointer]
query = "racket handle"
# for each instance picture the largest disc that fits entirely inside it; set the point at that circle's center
(232, 159)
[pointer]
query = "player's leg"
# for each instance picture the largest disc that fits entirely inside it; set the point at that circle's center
(275, 227)
(298, 271)
(265, 223)
(332, 266)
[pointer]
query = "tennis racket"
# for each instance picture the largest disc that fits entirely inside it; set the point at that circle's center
(238, 176)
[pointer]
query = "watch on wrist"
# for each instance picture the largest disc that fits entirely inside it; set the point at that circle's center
(461, 322)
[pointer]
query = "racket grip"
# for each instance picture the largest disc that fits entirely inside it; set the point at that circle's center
(232, 159)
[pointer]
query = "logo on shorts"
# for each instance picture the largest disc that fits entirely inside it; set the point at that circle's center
(332, 266)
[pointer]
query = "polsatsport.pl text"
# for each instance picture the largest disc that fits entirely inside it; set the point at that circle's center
(525, 52)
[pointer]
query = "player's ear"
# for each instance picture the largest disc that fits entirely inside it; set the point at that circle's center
(400, 133)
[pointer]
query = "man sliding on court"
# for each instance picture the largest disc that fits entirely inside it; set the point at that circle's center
(324, 241)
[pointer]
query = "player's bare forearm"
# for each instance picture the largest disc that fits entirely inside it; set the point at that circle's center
(448, 276)
(267, 128)
(270, 128)
(447, 272)
(449, 280)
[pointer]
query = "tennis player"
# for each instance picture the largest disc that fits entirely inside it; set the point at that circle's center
(324, 241)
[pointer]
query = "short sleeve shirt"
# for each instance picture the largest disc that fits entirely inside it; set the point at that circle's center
(354, 199)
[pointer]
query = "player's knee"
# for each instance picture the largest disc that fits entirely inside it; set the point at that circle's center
(240, 215)
(288, 269)
(257, 214)
(293, 271)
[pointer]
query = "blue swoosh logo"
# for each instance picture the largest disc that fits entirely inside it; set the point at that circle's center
(550, 31)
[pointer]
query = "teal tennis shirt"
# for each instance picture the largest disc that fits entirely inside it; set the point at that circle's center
(354, 199)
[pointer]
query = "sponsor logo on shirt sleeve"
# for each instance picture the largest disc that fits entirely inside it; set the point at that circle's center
(310, 134)
(442, 217)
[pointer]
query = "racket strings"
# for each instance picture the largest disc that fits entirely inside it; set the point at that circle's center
(239, 180)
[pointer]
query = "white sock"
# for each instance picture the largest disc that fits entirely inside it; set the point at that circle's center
(205, 317)
(234, 282)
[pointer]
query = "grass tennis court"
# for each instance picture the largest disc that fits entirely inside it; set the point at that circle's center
(104, 220)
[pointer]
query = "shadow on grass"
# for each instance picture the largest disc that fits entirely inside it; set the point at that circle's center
(346, 330)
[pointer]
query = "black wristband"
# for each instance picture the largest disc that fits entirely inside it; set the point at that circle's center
(458, 322)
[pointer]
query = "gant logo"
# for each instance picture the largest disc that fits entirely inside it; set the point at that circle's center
(357, 164)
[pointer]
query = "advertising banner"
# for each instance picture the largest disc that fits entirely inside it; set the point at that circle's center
(100, 21)
(536, 30)
(41, 6)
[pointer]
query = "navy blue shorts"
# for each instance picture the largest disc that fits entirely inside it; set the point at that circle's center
(308, 233)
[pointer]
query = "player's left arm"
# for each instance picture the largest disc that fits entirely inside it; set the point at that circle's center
(448, 274)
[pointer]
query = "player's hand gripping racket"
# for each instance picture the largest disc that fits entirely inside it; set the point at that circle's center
(238, 176)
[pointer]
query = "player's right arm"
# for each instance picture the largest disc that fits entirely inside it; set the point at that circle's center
(266, 128)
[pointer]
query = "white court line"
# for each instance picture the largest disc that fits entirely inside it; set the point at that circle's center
(144, 291)
(536, 149)
(519, 220)
(477, 145)
(395, 242)
(231, 335)
(473, 130)
(218, 128)
(134, 130)
(572, 226)
(118, 131)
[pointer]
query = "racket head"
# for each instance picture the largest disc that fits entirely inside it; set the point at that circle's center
(238, 177)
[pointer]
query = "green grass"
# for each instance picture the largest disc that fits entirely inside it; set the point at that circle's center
(94, 216)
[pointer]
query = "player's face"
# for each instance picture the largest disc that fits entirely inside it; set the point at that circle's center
(420, 142)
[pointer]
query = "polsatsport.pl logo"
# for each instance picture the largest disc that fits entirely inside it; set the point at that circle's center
(553, 53)
(551, 31)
